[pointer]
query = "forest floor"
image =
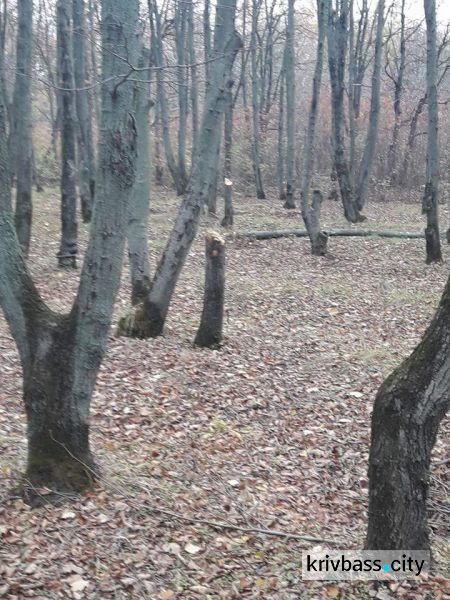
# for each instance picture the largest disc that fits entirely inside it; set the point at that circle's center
(270, 432)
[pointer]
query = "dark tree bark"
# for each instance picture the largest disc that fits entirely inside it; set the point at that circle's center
(61, 354)
(256, 141)
(209, 334)
(431, 196)
(408, 409)
(67, 255)
(22, 123)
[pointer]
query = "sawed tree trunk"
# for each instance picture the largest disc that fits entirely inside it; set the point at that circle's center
(209, 334)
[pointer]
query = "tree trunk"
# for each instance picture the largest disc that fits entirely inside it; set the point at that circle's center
(256, 154)
(148, 319)
(290, 108)
(228, 217)
(372, 133)
(61, 354)
(280, 140)
(86, 158)
(194, 82)
(311, 211)
(412, 135)
(181, 18)
(157, 53)
(209, 334)
(431, 195)
(398, 95)
(69, 228)
(137, 234)
(22, 123)
(337, 48)
(408, 409)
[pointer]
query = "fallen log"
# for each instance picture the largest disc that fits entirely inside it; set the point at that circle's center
(301, 233)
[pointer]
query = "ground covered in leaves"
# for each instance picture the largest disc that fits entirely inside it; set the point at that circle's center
(269, 433)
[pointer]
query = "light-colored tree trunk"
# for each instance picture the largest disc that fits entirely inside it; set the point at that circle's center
(431, 196)
(289, 59)
(181, 23)
(67, 255)
(311, 210)
(365, 167)
(228, 217)
(256, 141)
(137, 234)
(61, 354)
(85, 145)
(22, 123)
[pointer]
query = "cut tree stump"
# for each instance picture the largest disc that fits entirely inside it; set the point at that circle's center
(209, 334)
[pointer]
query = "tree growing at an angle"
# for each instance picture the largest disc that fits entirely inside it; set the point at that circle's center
(61, 353)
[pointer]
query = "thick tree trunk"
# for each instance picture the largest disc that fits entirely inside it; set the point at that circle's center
(86, 158)
(22, 123)
(431, 195)
(69, 228)
(148, 319)
(137, 234)
(408, 409)
(290, 108)
(61, 354)
(209, 334)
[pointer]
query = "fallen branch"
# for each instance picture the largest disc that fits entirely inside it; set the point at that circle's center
(301, 233)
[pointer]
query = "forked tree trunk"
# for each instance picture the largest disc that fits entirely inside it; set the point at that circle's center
(22, 123)
(61, 354)
(209, 334)
(67, 255)
(148, 319)
(311, 211)
(408, 409)
(337, 49)
(431, 196)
